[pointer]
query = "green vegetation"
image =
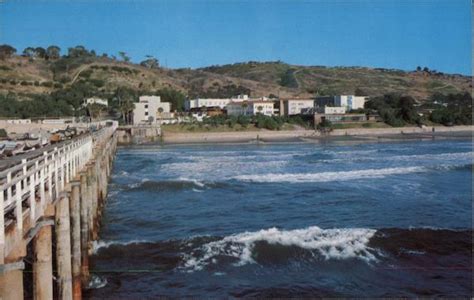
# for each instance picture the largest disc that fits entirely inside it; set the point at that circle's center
(395, 110)
(288, 79)
(258, 121)
(452, 109)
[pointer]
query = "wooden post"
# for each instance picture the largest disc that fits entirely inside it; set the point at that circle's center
(75, 213)
(42, 265)
(84, 229)
(63, 248)
(11, 284)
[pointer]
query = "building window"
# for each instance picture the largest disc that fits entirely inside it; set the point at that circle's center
(146, 105)
(146, 113)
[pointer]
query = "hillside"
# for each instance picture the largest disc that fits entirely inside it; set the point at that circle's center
(25, 76)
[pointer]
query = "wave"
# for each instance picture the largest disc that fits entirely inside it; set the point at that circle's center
(329, 176)
(328, 243)
(96, 282)
(312, 245)
(173, 185)
(97, 245)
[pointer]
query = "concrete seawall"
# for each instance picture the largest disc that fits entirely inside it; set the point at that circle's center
(138, 134)
(52, 206)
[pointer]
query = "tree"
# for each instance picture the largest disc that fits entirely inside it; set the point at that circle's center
(94, 110)
(29, 52)
(6, 51)
(288, 79)
(77, 51)
(150, 62)
(418, 69)
(53, 52)
(40, 52)
(245, 105)
(125, 103)
(407, 110)
(124, 56)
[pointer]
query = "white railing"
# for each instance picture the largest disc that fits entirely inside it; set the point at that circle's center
(34, 182)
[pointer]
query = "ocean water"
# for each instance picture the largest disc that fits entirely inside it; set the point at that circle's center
(287, 220)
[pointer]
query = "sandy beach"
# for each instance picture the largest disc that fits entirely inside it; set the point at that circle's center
(312, 135)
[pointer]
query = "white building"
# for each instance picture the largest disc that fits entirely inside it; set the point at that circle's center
(206, 102)
(250, 108)
(290, 107)
(150, 109)
(350, 102)
(217, 102)
(95, 100)
(331, 110)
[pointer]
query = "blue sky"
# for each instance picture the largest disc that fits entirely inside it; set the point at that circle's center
(193, 33)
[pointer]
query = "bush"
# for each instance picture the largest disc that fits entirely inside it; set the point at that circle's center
(97, 82)
(47, 84)
(325, 124)
(86, 74)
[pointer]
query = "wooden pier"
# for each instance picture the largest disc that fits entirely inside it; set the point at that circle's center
(52, 203)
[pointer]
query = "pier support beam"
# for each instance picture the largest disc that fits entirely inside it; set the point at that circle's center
(43, 265)
(11, 281)
(63, 247)
(75, 212)
(84, 229)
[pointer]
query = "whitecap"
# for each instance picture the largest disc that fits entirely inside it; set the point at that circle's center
(328, 176)
(97, 245)
(96, 282)
(328, 243)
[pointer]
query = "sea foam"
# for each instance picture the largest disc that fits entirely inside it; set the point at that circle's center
(97, 245)
(329, 243)
(328, 176)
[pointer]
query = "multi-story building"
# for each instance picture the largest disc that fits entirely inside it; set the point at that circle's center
(250, 108)
(295, 106)
(150, 109)
(350, 102)
(205, 102)
(198, 103)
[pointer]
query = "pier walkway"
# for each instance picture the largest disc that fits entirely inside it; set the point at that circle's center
(52, 201)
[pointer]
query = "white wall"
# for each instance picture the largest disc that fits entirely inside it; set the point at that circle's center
(350, 101)
(295, 107)
(147, 107)
(334, 110)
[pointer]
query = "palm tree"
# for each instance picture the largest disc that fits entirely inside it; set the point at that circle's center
(245, 105)
(126, 105)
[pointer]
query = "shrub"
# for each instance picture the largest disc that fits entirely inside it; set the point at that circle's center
(47, 84)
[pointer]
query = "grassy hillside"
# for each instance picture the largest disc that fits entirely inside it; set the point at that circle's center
(25, 76)
(348, 80)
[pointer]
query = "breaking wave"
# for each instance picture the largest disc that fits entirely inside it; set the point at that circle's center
(325, 243)
(329, 176)
(173, 185)
(97, 245)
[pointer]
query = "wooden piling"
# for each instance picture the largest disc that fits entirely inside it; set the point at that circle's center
(84, 230)
(43, 265)
(75, 213)
(63, 247)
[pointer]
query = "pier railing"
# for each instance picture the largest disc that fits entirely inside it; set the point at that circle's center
(28, 186)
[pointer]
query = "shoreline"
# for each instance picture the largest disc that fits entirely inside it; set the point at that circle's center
(311, 136)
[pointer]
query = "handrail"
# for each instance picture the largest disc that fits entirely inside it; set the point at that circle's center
(44, 173)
